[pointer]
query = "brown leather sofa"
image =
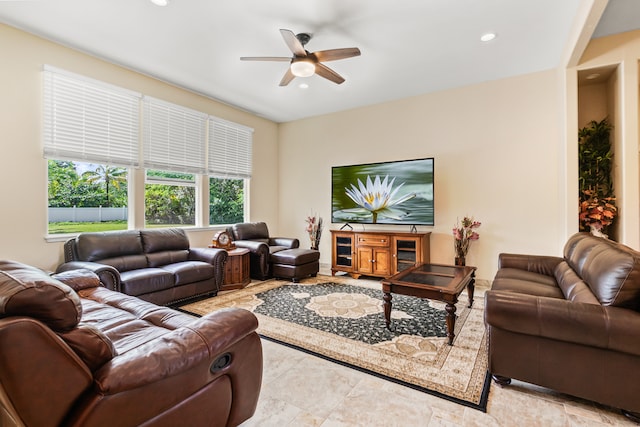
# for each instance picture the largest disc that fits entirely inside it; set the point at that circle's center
(569, 323)
(77, 354)
(255, 237)
(156, 265)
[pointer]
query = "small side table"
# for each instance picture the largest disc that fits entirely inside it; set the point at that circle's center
(237, 270)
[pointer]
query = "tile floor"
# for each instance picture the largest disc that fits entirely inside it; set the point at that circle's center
(299, 389)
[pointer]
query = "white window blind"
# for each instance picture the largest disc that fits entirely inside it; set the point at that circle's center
(88, 120)
(174, 137)
(230, 146)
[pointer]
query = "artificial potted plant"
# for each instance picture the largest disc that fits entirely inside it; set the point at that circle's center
(597, 199)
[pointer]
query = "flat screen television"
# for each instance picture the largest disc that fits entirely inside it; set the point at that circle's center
(397, 192)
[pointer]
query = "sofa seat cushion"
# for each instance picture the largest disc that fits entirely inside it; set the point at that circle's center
(159, 259)
(126, 321)
(146, 280)
(275, 249)
(295, 256)
(190, 272)
(526, 282)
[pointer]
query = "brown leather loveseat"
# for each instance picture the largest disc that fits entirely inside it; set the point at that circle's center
(77, 354)
(571, 324)
(156, 265)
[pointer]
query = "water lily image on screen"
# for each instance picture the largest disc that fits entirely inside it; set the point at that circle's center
(398, 192)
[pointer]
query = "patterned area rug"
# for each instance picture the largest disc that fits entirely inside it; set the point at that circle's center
(341, 320)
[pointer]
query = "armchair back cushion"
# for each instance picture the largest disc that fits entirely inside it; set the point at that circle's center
(251, 231)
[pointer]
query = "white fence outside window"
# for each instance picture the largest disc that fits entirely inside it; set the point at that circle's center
(98, 214)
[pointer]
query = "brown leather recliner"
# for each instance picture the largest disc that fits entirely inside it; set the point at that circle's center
(78, 354)
(569, 323)
(255, 237)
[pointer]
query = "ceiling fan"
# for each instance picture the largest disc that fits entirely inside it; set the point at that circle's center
(305, 63)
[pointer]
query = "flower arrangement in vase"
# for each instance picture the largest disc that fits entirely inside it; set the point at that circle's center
(314, 228)
(463, 234)
(597, 213)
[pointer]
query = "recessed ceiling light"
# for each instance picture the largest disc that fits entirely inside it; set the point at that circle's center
(303, 86)
(592, 76)
(488, 37)
(160, 2)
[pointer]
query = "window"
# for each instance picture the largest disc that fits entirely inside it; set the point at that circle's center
(92, 141)
(226, 201)
(86, 197)
(90, 136)
(169, 199)
(229, 163)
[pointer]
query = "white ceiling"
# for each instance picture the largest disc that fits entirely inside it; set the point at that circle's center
(409, 47)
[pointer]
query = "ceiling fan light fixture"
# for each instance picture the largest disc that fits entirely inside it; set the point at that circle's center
(303, 68)
(160, 2)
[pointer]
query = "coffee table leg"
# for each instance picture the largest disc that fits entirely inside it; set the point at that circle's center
(387, 308)
(470, 288)
(451, 321)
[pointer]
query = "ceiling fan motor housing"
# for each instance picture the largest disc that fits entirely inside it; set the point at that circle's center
(303, 38)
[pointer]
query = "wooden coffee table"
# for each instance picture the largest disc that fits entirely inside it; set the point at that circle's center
(432, 281)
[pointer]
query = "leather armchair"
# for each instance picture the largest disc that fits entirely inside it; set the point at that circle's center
(255, 237)
(77, 354)
(569, 323)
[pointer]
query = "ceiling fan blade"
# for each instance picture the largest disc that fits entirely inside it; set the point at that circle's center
(265, 58)
(335, 54)
(328, 73)
(286, 79)
(293, 43)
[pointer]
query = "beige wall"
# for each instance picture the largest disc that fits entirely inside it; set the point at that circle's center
(23, 188)
(497, 157)
(503, 152)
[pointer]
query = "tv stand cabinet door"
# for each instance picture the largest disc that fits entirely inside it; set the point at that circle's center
(343, 254)
(373, 261)
(408, 251)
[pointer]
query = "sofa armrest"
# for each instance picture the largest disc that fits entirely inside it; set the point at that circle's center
(535, 263)
(593, 325)
(284, 241)
(109, 276)
(213, 256)
(197, 345)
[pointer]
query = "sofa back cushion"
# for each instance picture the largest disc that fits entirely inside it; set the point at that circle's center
(251, 231)
(120, 249)
(611, 270)
(165, 246)
(572, 286)
(28, 291)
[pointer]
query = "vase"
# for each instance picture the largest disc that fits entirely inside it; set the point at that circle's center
(460, 261)
(598, 232)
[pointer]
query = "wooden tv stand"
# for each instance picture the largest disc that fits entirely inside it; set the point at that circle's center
(377, 253)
